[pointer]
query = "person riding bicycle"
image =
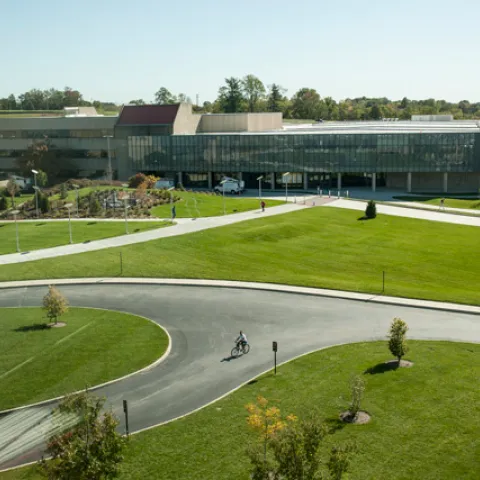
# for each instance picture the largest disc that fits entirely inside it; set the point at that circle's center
(241, 340)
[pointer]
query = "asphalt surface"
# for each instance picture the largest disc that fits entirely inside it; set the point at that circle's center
(203, 322)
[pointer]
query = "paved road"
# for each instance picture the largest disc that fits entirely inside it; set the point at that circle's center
(203, 323)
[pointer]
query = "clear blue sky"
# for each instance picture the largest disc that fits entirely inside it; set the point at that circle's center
(118, 50)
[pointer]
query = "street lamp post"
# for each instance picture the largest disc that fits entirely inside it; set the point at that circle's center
(126, 215)
(260, 178)
(222, 183)
(15, 213)
(285, 179)
(36, 190)
(76, 187)
(109, 168)
(69, 206)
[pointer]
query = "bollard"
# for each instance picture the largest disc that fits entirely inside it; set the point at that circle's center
(329, 194)
(338, 194)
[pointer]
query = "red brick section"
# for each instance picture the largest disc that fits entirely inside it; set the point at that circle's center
(148, 115)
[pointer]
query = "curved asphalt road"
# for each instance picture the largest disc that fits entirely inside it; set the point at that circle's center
(203, 323)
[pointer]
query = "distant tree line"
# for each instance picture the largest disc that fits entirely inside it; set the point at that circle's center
(250, 94)
(52, 99)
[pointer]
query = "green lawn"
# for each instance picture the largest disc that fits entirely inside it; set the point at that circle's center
(208, 205)
(95, 346)
(36, 235)
(468, 203)
(425, 419)
(318, 247)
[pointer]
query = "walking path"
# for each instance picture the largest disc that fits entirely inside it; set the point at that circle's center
(434, 216)
(427, 206)
(182, 227)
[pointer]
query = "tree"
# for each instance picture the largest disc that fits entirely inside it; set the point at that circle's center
(371, 210)
(89, 450)
(253, 91)
(3, 203)
(63, 191)
(94, 207)
(275, 98)
(230, 96)
(54, 303)
(290, 449)
(43, 202)
(182, 97)
(42, 178)
(140, 101)
(375, 112)
(12, 188)
(136, 180)
(357, 386)
(306, 104)
(396, 338)
(164, 97)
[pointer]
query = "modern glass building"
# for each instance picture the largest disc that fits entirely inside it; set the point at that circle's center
(198, 150)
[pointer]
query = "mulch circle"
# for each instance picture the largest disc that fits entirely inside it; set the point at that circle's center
(360, 419)
(403, 364)
(57, 325)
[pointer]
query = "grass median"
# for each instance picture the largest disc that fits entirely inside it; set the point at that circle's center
(38, 363)
(425, 419)
(40, 234)
(318, 247)
(205, 204)
(472, 203)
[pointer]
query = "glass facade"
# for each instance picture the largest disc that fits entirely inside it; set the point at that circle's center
(307, 153)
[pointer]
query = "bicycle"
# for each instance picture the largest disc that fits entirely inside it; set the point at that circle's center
(238, 350)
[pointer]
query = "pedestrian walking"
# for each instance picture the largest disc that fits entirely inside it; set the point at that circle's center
(318, 190)
(263, 206)
(174, 212)
(442, 204)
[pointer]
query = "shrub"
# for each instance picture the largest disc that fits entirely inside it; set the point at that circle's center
(43, 203)
(371, 210)
(396, 338)
(357, 386)
(63, 191)
(137, 180)
(3, 203)
(94, 206)
(54, 303)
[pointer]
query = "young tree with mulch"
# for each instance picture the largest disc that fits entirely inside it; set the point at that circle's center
(396, 339)
(13, 188)
(54, 303)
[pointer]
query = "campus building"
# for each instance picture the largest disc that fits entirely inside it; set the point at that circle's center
(197, 150)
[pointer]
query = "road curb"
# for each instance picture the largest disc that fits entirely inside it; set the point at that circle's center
(338, 294)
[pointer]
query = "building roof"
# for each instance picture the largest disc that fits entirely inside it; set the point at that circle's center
(372, 127)
(148, 115)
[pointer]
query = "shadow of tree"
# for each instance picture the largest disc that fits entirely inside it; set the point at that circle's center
(382, 368)
(31, 328)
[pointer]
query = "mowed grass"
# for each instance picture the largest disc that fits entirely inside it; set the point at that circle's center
(200, 204)
(425, 419)
(317, 247)
(467, 203)
(36, 235)
(95, 346)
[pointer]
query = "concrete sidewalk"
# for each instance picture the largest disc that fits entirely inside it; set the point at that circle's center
(434, 216)
(272, 287)
(427, 206)
(182, 227)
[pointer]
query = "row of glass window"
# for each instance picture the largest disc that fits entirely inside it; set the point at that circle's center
(34, 134)
(67, 153)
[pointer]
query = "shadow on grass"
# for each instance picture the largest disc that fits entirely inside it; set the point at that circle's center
(91, 223)
(32, 328)
(86, 241)
(364, 218)
(334, 425)
(40, 224)
(381, 368)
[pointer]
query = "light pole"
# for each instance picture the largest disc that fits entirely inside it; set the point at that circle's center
(285, 179)
(169, 190)
(109, 168)
(76, 187)
(69, 206)
(222, 183)
(15, 213)
(36, 190)
(260, 187)
(126, 215)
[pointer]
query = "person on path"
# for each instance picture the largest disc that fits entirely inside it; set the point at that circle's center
(263, 206)
(174, 212)
(442, 204)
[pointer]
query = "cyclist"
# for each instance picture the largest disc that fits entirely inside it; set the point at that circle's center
(241, 340)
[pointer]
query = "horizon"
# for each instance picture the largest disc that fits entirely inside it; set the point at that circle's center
(113, 51)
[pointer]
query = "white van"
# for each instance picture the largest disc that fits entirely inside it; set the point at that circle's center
(230, 186)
